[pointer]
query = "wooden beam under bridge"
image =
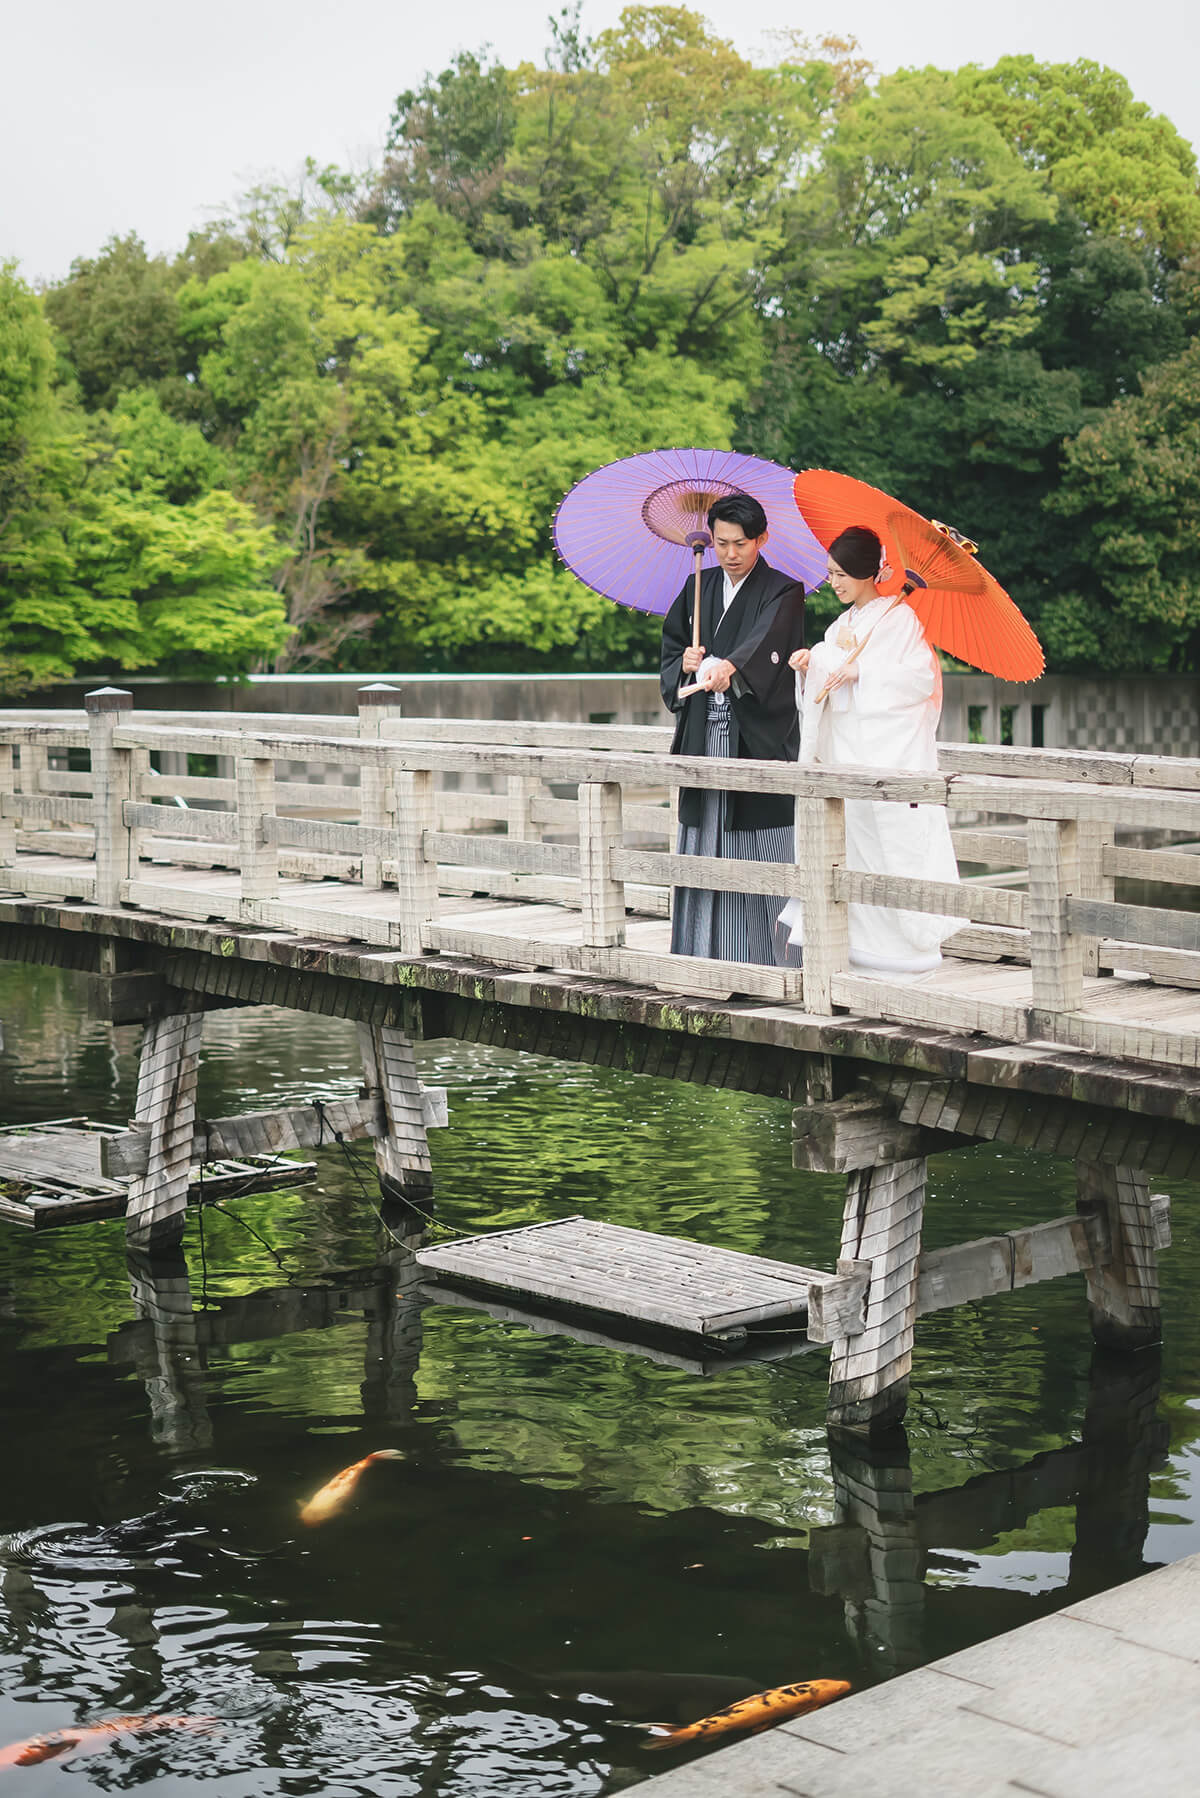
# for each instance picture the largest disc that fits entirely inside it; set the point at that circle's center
(305, 1126)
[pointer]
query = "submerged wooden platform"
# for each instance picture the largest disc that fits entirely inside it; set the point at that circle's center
(702, 1356)
(52, 1174)
(687, 1288)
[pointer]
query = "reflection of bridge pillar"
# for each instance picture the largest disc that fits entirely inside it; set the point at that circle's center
(394, 1333)
(871, 1556)
(135, 1624)
(25, 1604)
(167, 1357)
(1122, 1439)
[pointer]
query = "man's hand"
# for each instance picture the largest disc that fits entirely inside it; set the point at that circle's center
(717, 679)
(692, 659)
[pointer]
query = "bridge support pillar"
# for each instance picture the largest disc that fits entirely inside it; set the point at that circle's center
(402, 1156)
(1122, 1294)
(868, 1373)
(166, 1110)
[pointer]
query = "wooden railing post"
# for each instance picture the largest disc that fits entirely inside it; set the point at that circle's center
(1094, 883)
(521, 794)
(258, 849)
(8, 819)
(600, 831)
(376, 703)
(112, 786)
(35, 761)
(416, 877)
(1055, 952)
(820, 849)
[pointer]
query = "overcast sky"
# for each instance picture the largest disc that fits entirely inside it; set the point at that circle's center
(148, 116)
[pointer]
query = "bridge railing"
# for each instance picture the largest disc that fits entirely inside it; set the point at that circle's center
(574, 817)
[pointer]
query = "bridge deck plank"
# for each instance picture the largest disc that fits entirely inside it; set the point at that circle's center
(1121, 1016)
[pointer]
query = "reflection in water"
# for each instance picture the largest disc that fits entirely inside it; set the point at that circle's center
(576, 1541)
(878, 1553)
(167, 1354)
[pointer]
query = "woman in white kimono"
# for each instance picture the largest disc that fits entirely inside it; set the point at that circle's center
(871, 694)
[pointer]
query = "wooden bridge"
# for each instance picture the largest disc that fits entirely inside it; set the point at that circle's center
(511, 884)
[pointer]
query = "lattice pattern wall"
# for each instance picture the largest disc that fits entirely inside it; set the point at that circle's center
(1147, 716)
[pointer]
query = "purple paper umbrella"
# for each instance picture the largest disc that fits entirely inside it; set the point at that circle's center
(630, 530)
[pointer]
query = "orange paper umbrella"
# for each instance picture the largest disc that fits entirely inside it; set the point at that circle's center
(962, 609)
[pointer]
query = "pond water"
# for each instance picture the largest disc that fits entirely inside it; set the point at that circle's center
(574, 1541)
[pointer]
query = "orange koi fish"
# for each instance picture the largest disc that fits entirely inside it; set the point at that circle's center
(35, 1749)
(333, 1494)
(761, 1711)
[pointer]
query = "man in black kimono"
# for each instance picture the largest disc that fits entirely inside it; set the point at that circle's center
(751, 619)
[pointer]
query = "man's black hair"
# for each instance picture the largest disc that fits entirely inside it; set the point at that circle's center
(740, 509)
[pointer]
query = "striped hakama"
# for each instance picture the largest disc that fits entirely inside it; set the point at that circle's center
(727, 926)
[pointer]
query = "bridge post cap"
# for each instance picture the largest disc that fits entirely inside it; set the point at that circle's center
(379, 692)
(108, 699)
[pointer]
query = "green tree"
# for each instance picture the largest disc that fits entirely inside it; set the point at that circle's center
(41, 463)
(1124, 169)
(118, 550)
(585, 245)
(116, 319)
(1130, 494)
(953, 304)
(373, 393)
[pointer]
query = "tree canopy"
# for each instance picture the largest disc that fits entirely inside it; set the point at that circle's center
(333, 430)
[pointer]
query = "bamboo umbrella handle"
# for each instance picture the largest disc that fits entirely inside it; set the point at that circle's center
(699, 555)
(697, 542)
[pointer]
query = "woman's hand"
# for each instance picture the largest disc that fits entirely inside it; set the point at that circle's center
(692, 659)
(842, 677)
(799, 659)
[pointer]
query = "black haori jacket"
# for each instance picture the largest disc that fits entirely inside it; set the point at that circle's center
(758, 633)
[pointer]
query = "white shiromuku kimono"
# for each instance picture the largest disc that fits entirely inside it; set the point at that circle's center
(887, 718)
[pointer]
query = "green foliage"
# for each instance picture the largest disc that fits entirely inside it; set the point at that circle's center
(955, 303)
(373, 393)
(1122, 168)
(119, 548)
(116, 319)
(1131, 489)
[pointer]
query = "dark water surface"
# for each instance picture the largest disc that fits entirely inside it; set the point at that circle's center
(575, 1540)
